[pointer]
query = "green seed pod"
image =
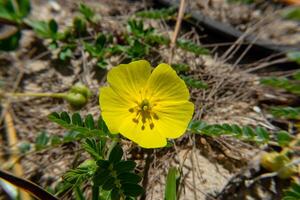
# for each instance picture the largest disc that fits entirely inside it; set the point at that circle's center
(76, 100)
(81, 89)
(287, 172)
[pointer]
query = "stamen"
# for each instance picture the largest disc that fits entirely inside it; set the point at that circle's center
(135, 120)
(144, 113)
(143, 119)
(151, 126)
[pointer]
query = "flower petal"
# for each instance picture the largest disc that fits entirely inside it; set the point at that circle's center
(114, 108)
(129, 79)
(165, 85)
(173, 118)
(147, 138)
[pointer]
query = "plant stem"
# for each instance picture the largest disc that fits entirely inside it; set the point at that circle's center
(31, 94)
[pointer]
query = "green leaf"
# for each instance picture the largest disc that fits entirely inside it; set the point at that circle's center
(292, 13)
(100, 42)
(86, 11)
(153, 39)
(55, 140)
(109, 183)
(7, 10)
(116, 154)
(128, 177)
(45, 29)
(115, 195)
(170, 190)
(286, 112)
(65, 117)
(70, 136)
(192, 47)
(93, 148)
(53, 26)
(10, 43)
(262, 134)
(294, 56)
(125, 166)
(79, 26)
(296, 76)
(292, 193)
(103, 164)
(133, 190)
(76, 119)
(248, 132)
(137, 50)
(64, 120)
(164, 13)
(78, 175)
(259, 135)
(191, 82)
(180, 67)
(284, 138)
(101, 176)
(89, 122)
(24, 8)
(41, 141)
(14, 10)
(65, 54)
(24, 147)
(291, 86)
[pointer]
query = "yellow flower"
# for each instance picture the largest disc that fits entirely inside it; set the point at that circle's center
(146, 107)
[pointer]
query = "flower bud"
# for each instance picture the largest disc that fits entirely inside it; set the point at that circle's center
(273, 161)
(76, 100)
(81, 89)
(287, 172)
(276, 162)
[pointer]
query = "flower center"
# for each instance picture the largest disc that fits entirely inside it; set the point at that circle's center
(144, 113)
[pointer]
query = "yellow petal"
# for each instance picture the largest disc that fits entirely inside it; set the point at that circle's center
(165, 85)
(173, 118)
(147, 138)
(130, 79)
(114, 108)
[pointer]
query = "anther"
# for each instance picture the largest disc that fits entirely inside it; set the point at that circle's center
(151, 126)
(131, 110)
(155, 116)
(143, 127)
(135, 120)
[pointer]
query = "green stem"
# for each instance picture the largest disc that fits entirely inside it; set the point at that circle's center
(112, 145)
(31, 94)
(95, 192)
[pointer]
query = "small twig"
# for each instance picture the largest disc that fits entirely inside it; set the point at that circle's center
(177, 28)
(149, 159)
(282, 60)
(12, 141)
